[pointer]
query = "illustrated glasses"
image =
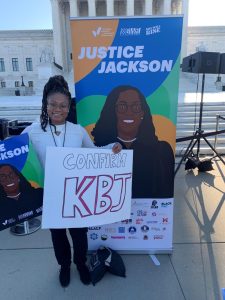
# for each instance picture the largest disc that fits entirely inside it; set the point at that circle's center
(122, 107)
(5, 177)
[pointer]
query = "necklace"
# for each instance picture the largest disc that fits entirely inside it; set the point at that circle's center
(64, 137)
(126, 141)
(14, 196)
(57, 132)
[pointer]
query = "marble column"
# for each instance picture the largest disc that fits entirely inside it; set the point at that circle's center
(91, 8)
(57, 32)
(73, 8)
(167, 7)
(110, 8)
(130, 8)
(148, 7)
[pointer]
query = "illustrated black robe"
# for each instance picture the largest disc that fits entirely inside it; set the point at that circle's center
(28, 205)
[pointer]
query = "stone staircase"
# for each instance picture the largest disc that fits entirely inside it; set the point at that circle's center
(20, 113)
(186, 124)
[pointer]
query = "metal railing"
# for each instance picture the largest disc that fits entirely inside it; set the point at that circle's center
(218, 118)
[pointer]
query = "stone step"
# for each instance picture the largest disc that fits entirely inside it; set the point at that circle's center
(202, 150)
(214, 112)
(205, 126)
(25, 118)
(205, 114)
(20, 112)
(186, 107)
(215, 142)
(211, 139)
(191, 120)
(20, 106)
(184, 133)
(198, 103)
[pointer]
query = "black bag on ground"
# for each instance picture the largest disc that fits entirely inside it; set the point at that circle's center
(97, 267)
(113, 261)
(205, 165)
(105, 259)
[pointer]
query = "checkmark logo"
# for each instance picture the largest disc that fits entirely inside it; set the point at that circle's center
(4, 223)
(96, 31)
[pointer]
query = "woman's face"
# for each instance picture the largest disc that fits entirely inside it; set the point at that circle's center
(9, 180)
(57, 108)
(129, 114)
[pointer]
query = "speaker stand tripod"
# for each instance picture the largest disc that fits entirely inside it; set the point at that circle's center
(198, 135)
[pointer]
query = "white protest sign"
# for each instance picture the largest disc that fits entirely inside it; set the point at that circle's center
(86, 187)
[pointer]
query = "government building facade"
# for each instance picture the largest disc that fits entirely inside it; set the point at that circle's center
(29, 57)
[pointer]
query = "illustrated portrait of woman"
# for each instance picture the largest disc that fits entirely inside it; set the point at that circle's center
(126, 118)
(17, 196)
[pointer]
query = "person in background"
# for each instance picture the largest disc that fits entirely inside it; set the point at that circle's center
(54, 130)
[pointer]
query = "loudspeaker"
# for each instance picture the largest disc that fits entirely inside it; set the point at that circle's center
(202, 62)
(187, 64)
(222, 63)
(206, 62)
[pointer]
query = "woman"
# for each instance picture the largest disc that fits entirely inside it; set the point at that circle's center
(54, 130)
(126, 117)
(19, 200)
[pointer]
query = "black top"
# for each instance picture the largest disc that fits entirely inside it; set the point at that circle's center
(153, 170)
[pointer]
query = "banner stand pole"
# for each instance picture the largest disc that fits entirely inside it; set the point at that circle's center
(155, 260)
(27, 227)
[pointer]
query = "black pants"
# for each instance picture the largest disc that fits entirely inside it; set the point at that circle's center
(62, 246)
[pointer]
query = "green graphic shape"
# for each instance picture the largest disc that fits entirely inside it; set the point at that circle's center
(32, 169)
(89, 109)
(164, 100)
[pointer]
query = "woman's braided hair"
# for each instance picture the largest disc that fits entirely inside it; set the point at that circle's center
(55, 84)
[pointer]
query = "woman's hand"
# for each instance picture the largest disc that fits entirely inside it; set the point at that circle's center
(117, 147)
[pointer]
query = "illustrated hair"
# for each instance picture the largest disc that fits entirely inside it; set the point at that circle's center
(55, 84)
(24, 184)
(105, 130)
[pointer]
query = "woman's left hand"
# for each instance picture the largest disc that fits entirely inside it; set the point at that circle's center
(117, 147)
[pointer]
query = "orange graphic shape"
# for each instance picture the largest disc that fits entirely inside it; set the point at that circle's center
(90, 33)
(89, 129)
(34, 184)
(165, 130)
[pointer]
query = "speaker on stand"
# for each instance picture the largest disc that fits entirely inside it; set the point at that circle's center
(205, 63)
(222, 64)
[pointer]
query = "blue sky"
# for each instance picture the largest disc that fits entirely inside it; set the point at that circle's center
(36, 14)
(25, 14)
(206, 12)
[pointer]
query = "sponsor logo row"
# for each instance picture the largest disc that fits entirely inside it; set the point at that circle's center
(130, 229)
(126, 31)
(94, 236)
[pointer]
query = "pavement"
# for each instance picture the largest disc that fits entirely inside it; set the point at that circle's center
(194, 270)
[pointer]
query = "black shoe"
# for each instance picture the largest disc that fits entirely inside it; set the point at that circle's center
(64, 276)
(84, 274)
